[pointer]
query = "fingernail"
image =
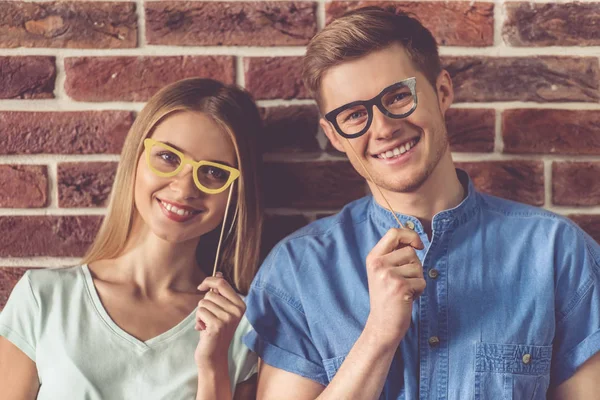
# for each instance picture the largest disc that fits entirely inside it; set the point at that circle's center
(408, 297)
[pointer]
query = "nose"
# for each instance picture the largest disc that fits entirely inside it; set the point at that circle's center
(382, 127)
(183, 183)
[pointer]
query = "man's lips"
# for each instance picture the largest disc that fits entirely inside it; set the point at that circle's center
(396, 150)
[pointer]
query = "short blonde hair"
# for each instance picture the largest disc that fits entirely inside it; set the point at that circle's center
(235, 111)
(362, 31)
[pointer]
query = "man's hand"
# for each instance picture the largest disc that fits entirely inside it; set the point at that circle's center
(395, 277)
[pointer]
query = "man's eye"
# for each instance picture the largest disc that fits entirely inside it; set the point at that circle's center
(355, 115)
(400, 96)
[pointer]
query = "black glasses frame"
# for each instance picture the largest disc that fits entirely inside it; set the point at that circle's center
(331, 116)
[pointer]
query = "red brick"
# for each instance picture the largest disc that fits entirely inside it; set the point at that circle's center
(138, 78)
(521, 181)
(207, 23)
(73, 24)
(53, 236)
(459, 23)
(23, 186)
(27, 77)
(543, 131)
(275, 77)
(576, 183)
(471, 130)
(80, 132)
(9, 276)
(317, 185)
(277, 227)
(85, 184)
(589, 223)
(291, 129)
(540, 79)
(571, 24)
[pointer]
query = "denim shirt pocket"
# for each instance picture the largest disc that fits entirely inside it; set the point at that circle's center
(512, 371)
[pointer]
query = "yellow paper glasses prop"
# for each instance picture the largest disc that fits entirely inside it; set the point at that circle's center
(210, 177)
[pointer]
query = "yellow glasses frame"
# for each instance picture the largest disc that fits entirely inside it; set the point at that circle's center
(233, 172)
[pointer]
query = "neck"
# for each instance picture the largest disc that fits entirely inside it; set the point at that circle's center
(441, 191)
(154, 265)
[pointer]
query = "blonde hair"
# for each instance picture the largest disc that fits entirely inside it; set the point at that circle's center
(362, 31)
(235, 110)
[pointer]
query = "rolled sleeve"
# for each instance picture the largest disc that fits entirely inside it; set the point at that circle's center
(281, 335)
(577, 336)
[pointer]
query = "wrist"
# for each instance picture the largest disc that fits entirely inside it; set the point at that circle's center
(382, 338)
(212, 364)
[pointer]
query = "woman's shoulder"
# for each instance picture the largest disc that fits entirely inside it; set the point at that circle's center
(44, 281)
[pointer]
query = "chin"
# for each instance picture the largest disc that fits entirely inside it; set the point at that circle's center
(172, 238)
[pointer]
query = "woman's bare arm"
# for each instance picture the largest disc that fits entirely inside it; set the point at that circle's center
(18, 373)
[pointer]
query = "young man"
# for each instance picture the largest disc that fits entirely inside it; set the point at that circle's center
(474, 298)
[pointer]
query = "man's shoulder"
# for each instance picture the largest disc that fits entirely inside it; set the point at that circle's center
(314, 242)
(525, 212)
(530, 218)
(350, 215)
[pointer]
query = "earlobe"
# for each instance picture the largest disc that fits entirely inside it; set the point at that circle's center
(331, 135)
(445, 91)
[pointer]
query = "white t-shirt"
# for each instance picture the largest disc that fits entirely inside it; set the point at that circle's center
(57, 319)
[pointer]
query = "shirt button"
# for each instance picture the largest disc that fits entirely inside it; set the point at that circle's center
(526, 358)
(433, 273)
(434, 341)
(410, 225)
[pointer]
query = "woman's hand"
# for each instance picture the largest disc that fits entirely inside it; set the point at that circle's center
(217, 318)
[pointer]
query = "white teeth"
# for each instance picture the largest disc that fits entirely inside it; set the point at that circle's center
(176, 210)
(398, 150)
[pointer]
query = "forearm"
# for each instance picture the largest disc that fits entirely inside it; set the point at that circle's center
(214, 383)
(364, 371)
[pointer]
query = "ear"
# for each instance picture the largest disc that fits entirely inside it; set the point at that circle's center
(444, 90)
(332, 135)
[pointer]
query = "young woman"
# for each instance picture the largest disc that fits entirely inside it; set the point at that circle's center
(124, 324)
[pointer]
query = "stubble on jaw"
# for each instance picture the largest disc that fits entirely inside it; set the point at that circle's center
(418, 181)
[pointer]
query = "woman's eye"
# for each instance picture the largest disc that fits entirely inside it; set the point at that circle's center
(168, 157)
(216, 173)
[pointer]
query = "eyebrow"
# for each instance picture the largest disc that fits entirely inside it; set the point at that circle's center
(215, 161)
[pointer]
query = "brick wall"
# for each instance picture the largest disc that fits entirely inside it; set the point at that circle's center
(73, 74)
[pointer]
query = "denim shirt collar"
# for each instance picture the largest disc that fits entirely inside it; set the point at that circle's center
(442, 221)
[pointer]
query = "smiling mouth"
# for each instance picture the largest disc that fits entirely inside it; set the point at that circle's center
(178, 210)
(398, 151)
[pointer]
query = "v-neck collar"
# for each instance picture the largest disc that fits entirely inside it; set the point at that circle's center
(118, 331)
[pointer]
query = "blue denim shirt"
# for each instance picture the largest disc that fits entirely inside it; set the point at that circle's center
(512, 304)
